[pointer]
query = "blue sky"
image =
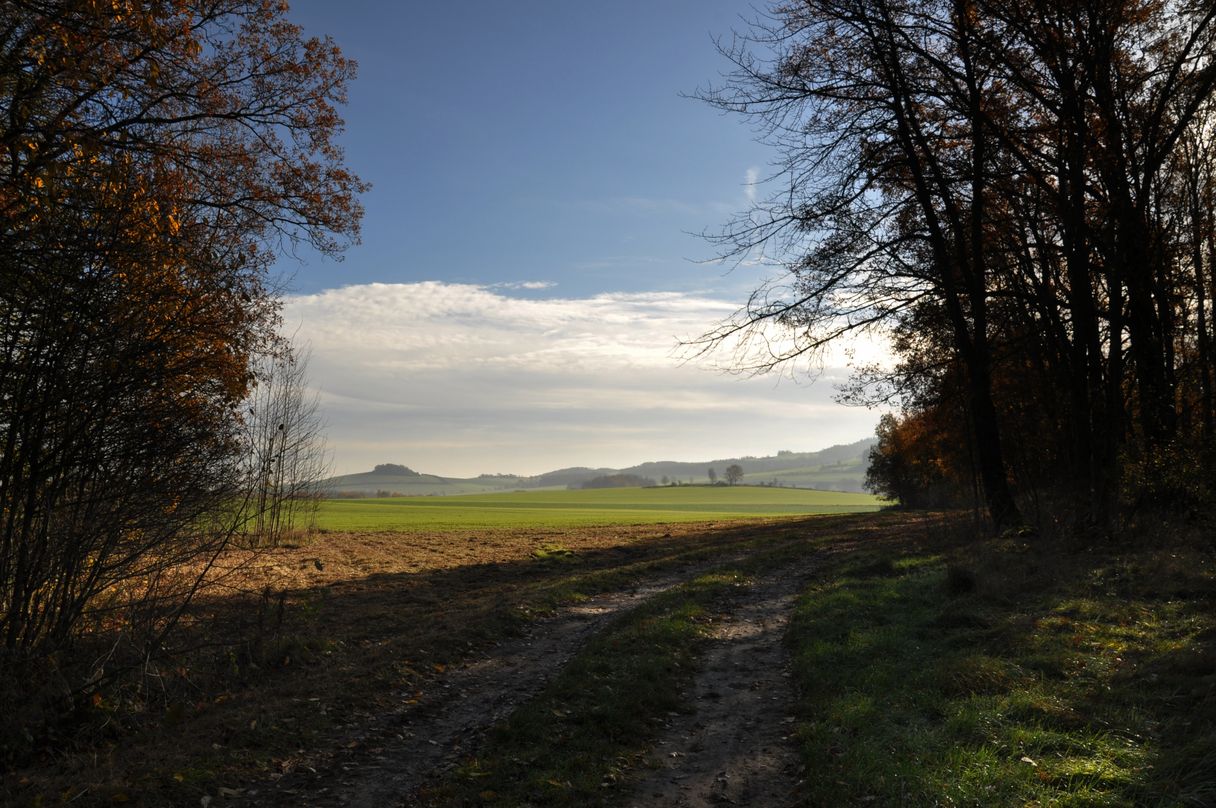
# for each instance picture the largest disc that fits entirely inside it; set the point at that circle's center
(539, 151)
(536, 140)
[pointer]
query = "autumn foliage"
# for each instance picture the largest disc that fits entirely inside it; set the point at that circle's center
(155, 158)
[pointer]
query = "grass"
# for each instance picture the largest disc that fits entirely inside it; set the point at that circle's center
(580, 508)
(1010, 675)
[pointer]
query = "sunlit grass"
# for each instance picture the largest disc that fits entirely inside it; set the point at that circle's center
(1040, 687)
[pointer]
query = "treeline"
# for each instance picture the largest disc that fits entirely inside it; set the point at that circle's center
(617, 481)
(1023, 195)
(154, 164)
(398, 469)
(782, 461)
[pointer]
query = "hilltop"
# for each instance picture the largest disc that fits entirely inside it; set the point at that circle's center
(836, 468)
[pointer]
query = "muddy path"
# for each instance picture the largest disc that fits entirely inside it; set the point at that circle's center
(735, 746)
(385, 760)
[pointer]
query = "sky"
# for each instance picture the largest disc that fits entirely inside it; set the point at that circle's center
(531, 254)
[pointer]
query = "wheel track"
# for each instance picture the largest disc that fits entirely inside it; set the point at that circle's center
(735, 747)
(385, 761)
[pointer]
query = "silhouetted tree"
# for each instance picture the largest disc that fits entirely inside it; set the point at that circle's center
(154, 162)
(1015, 192)
(287, 459)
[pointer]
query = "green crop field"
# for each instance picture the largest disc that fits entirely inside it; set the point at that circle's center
(834, 475)
(612, 506)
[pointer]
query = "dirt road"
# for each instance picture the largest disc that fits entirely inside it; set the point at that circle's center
(732, 749)
(384, 762)
(735, 748)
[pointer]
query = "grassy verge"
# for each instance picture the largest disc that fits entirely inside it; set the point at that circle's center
(1008, 674)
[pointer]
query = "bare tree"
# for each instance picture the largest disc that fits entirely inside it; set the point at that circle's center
(734, 474)
(988, 182)
(875, 107)
(713, 476)
(288, 458)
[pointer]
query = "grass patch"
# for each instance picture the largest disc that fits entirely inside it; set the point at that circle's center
(553, 553)
(1009, 675)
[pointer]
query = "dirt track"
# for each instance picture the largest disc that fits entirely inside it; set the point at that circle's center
(384, 762)
(733, 749)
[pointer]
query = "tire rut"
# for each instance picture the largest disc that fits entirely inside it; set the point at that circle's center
(391, 757)
(735, 748)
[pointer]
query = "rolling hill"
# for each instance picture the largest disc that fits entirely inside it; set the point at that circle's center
(836, 468)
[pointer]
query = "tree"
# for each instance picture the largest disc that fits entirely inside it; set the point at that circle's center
(617, 481)
(713, 476)
(999, 187)
(287, 458)
(876, 108)
(917, 462)
(154, 163)
(734, 473)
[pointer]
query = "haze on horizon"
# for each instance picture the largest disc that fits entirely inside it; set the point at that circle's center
(529, 262)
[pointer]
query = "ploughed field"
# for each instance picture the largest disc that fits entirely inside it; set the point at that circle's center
(578, 508)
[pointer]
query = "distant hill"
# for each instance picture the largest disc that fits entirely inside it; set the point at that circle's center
(413, 484)
(837, 468)
(565, 478)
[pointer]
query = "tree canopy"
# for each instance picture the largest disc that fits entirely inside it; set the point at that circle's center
(1020, 195)
(155, 159)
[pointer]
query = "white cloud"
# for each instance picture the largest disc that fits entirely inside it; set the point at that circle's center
(460, 379)
(750, 180)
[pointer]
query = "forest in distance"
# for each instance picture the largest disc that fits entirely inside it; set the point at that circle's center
(1004, 597)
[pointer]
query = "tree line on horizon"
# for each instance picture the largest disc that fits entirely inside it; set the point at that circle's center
(1022, 196)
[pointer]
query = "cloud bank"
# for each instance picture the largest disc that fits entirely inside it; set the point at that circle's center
(460, 379)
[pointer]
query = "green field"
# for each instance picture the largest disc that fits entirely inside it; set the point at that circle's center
(849, 474)
(612, 506)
